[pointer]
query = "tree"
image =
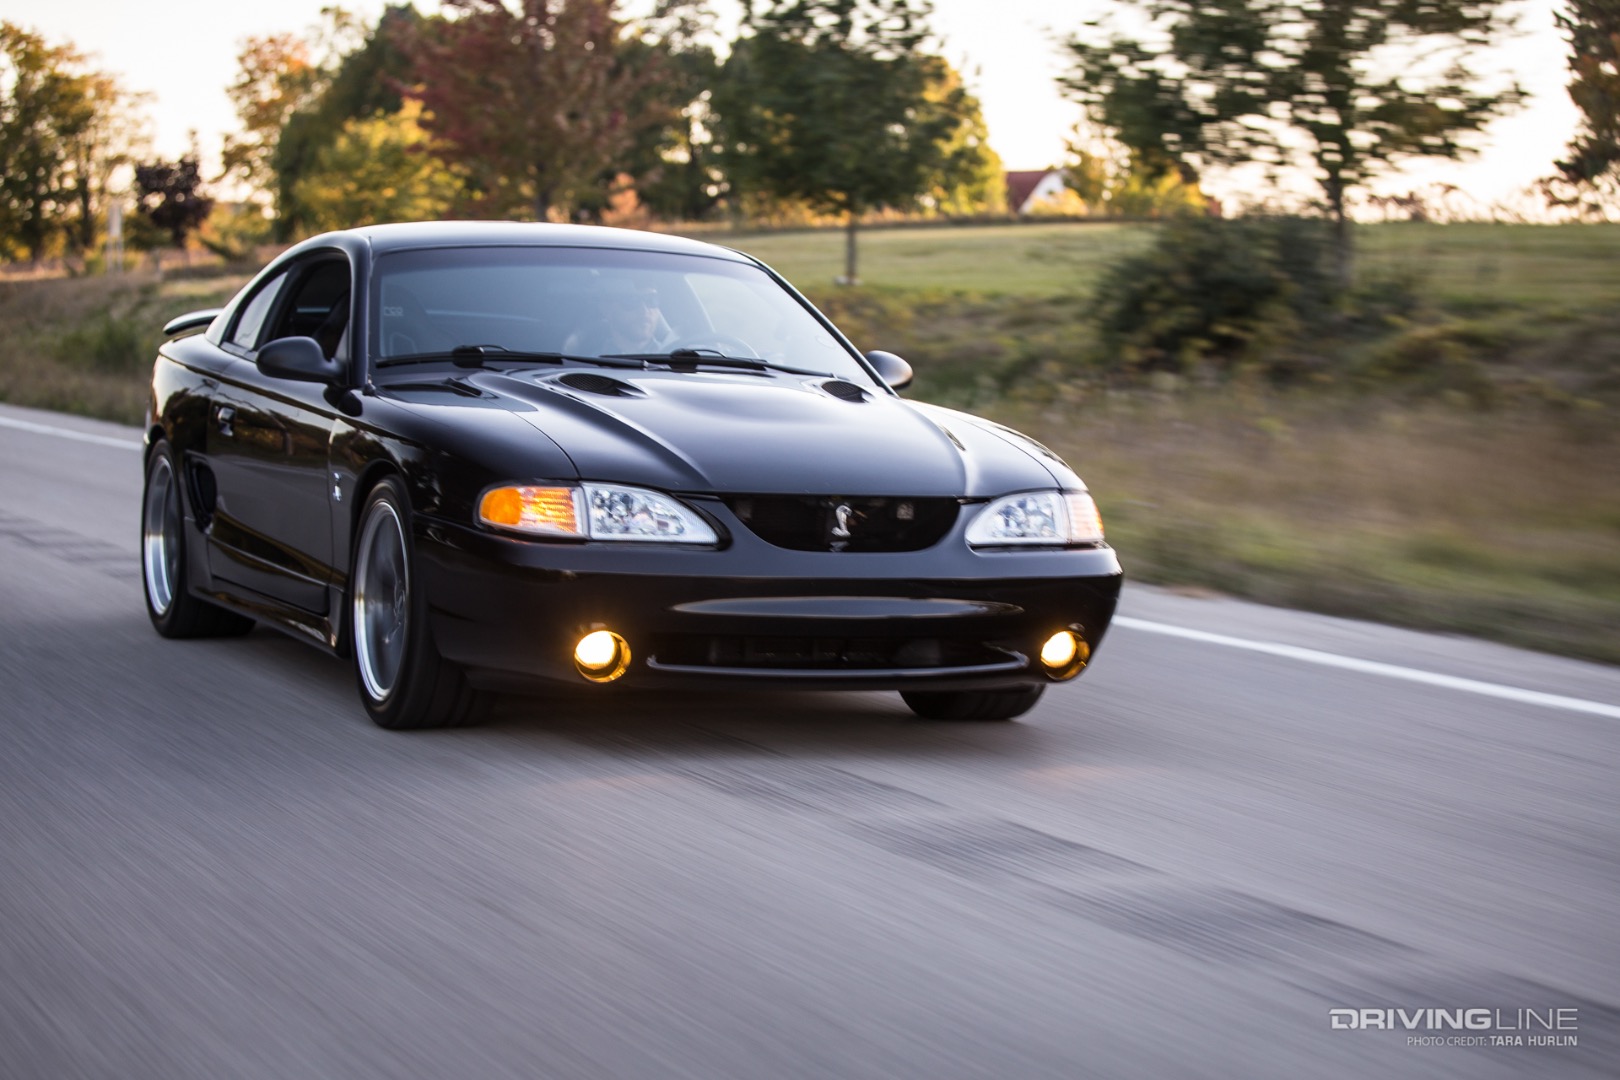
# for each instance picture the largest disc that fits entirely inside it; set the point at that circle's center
(1112, 180)
(1593, 27)
(835, 102)
(282, 82)
(276, 77)
(64, 128)
(672, 160)
(352, 87)
(535, 103)
(171, 198)
(972, 179)
(106, 138)
(376, 171)
(1350, 85)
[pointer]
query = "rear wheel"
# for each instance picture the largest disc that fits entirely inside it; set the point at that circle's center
(404, 683)
(972, 704)
(173, 610)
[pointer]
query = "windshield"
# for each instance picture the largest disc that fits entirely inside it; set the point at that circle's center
(589, 302)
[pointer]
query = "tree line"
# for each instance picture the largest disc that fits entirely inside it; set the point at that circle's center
(573, 110)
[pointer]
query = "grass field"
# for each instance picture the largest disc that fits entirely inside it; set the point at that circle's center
(1495, 514)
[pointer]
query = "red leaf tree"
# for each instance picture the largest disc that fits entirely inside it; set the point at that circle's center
(534, 99)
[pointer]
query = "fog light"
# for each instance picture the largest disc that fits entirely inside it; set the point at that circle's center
(1064, 654)
(602, 656)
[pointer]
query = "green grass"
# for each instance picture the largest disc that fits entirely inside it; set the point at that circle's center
(998, 260)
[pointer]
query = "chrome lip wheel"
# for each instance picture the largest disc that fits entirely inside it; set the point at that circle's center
(381, 601)
(160, 536)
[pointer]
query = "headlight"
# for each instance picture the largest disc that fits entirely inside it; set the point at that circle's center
(627, 513)
(594, 512)
(1037, 517)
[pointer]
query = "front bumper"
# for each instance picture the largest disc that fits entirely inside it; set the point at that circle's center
(510, 611)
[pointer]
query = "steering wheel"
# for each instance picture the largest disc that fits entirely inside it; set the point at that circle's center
(724, 344)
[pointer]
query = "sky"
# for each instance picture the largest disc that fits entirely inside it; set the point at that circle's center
(183, 52)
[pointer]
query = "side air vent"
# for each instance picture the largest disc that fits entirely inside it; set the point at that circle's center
(592, 383)
(847, 391)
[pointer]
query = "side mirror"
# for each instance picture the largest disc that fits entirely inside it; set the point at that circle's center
(890, 368)
(298, 358)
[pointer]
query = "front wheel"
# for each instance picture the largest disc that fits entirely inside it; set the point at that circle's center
(404, 683)
(972, 704)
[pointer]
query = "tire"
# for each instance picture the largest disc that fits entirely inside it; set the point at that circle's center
(972, 704)
(174, 611)
(404, 683)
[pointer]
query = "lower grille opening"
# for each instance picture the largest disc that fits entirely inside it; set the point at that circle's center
(823, 653)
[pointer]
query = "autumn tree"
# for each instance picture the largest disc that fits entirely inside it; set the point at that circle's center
(533, 100)
(1345, 87)
(170, 196)
(276, 76)
(839, 103)
(284, 95)
(64, 129)
(1593, 163)
(376, 171)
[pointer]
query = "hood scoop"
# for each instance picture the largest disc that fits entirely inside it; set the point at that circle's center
(590, 382)
(845, 391)
(447, 386)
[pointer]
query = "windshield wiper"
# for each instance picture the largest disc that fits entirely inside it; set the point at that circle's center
(689, 359)
(475, 356)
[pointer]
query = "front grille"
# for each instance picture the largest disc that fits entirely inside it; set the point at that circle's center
(821, 653)
(833, 523)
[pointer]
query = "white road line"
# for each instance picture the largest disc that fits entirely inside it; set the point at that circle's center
(67, 433)
(1373, 667)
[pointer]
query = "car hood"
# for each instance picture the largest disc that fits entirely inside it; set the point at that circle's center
(758, 433)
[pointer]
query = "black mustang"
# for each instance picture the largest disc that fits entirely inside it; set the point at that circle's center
(478, 456)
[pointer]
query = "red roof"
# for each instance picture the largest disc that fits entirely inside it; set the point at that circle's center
(1021, 185)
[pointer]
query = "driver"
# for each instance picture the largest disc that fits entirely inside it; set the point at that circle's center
(630, 322)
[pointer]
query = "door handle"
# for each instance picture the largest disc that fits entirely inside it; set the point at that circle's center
(225, 415)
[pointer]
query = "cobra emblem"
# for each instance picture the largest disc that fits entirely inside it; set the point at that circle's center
(843, 514)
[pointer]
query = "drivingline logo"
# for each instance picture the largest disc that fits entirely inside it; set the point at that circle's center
(1488, 1027)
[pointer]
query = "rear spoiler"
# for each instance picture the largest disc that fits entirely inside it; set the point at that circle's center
(190, 322)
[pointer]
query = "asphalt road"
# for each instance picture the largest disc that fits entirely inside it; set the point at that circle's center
(212, 865)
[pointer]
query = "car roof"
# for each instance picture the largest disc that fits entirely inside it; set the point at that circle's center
(416, 235)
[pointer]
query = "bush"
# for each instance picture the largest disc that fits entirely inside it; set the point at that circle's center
(1219, 295)
(108, 344)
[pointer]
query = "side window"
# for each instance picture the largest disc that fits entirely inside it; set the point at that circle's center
(251, 321)
(318, 306)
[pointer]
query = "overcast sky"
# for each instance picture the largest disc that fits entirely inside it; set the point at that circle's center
(183, 52)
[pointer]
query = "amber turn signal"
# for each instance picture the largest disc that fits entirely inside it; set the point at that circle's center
(546, 510)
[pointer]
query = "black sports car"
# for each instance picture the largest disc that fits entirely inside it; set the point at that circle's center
(479, 456)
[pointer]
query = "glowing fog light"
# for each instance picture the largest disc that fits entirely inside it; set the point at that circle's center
(602, 656)
(1064, 654)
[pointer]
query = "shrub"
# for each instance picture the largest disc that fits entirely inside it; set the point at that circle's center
(1217, 294)
(108, 344)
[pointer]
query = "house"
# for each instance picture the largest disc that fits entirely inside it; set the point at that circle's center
(1026, 190)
